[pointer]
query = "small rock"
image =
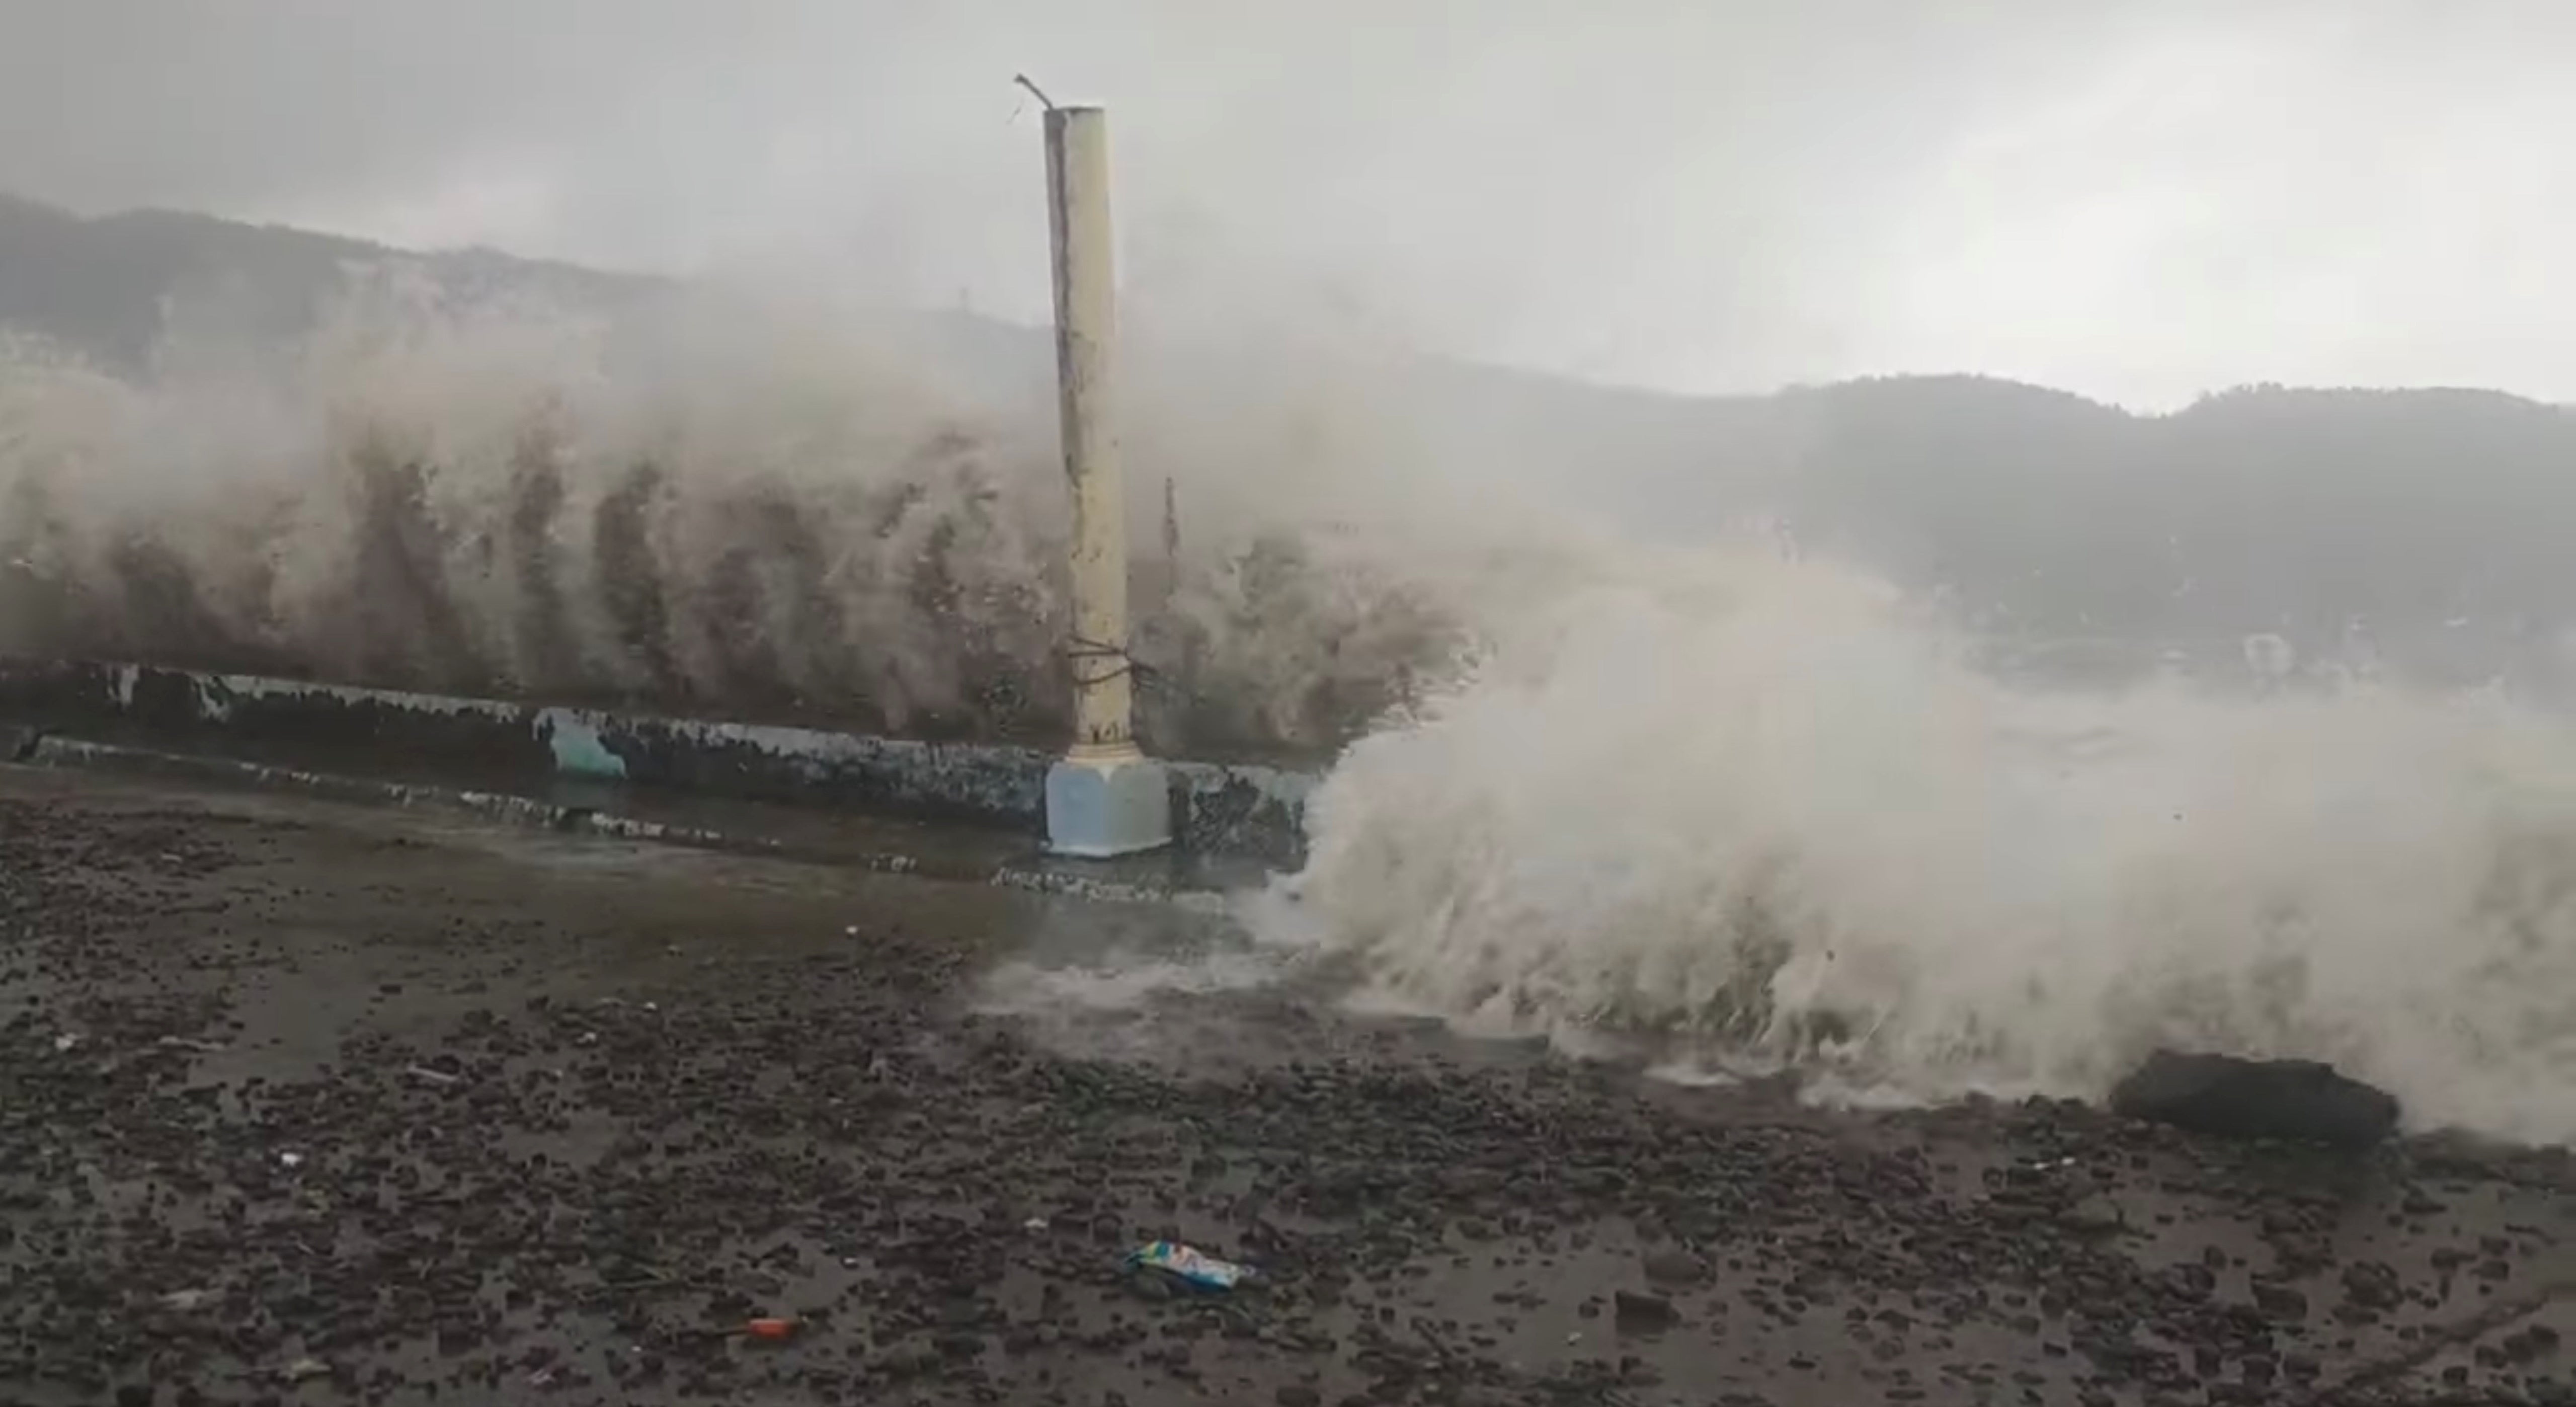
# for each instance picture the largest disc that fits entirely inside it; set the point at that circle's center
(2228, 1097)
(1675, 1268)
(2280, 1302)
(1298, 1395)
(1631, 1310)
(1150, 1285)
(2373, 1285)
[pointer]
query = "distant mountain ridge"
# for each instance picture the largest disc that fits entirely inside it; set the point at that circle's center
(99, 286)
(2435, 524)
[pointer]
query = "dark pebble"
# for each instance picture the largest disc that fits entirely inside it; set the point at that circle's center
(1675, 1268)
(1632, 1310)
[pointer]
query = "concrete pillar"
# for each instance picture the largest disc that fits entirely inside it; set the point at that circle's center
(1105, 797)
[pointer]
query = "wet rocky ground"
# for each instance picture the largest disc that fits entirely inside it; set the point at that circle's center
(301, 1104)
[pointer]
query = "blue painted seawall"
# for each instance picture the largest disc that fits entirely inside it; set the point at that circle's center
(1251, 811)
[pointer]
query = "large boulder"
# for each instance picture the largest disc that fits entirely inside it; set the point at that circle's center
(2224, 1095)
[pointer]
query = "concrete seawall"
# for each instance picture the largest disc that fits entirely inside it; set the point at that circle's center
(1252, 812)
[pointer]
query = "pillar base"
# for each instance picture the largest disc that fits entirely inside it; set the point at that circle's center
(1098, 808)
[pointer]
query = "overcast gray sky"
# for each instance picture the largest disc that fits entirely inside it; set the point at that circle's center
(2132, 198)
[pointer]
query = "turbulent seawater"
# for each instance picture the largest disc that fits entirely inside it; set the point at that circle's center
(716, 505)
(1744, 809)
(1767, 813)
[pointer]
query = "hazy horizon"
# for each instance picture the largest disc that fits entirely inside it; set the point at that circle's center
(2137, 203)
(1038, 321)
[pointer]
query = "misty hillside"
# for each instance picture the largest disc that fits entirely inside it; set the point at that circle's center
(2431, 526)
(98, 287)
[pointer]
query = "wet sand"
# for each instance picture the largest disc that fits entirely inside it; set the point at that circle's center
(302, 1103)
